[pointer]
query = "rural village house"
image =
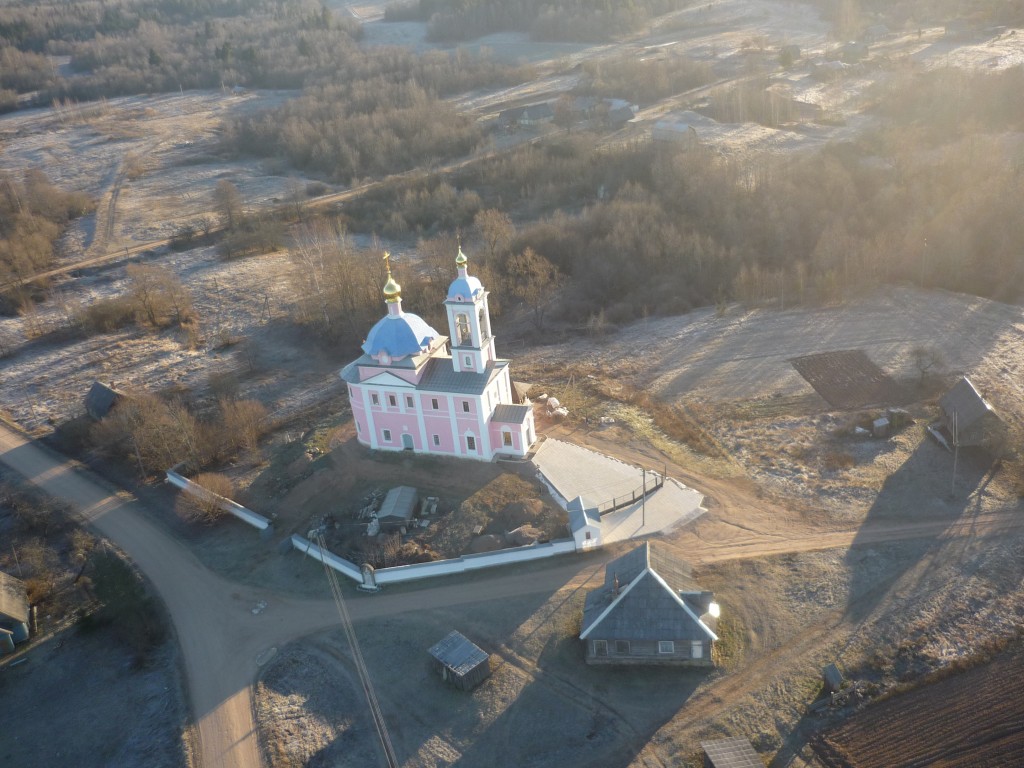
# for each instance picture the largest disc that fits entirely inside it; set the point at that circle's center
(13, 612)
(649, 611)
(409, 391)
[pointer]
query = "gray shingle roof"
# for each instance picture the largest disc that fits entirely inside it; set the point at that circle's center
(964, 399)
(440, 376)
(648, 605)
(731, 753)
(510, 414)
(13, 598)
(457, 653)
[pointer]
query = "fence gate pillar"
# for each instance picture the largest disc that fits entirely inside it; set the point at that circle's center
(369, 576)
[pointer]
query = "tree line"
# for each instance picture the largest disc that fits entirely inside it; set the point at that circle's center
(33, 215)
(929, 197)
(154, 46)
(587, 21)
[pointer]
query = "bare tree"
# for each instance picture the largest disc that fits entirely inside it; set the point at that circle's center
(228, 203)
(158, 294)
(563, 112)
(244, 422)
(926, 359)
(497, 231)
(534, 281)
(154, 434)
(206, 507)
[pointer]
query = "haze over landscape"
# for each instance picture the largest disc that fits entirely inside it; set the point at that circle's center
(753, 271)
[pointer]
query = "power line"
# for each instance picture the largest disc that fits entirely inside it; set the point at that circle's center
(357, 657)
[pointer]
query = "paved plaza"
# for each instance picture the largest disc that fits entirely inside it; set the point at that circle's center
(573, 471)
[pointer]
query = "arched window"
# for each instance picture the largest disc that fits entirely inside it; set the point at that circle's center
(485, 326)
(462, 327)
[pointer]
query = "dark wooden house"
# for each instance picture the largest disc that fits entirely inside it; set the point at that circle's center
(649, 611)
(460, 662)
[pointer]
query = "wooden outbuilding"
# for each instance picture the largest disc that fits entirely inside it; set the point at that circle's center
(397, 510)
(969, 415)
(101, 400)
(460, 662)
(14, 609)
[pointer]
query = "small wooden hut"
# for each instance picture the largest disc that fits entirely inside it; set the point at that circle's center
(460, 662)
(974, 419)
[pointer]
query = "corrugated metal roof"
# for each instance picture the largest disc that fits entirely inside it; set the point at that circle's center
(510, 414)
(731, 753)
(964, 399)
(399, 504)
(457, 653)
(13, 598)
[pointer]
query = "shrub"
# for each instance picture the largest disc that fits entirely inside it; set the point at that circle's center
(836, 460)
(107, 315)
(206, 508)
(126, 604)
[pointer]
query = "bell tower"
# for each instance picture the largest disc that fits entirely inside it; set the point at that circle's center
(469, 321)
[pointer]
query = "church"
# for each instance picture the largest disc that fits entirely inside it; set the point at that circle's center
(411, 391)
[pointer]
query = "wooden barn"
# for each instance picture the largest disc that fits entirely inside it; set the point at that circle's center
(976, 421)
(101, 399)
(460, 662)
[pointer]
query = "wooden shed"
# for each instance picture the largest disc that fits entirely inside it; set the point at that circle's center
(976, 422)
(460, 662)
(398, 508)
(101, 399)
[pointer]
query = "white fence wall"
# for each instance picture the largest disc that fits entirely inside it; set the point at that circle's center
(339, 564)
(254, 519)
(416, 571)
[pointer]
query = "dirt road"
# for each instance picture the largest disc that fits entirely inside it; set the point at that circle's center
(226, 630)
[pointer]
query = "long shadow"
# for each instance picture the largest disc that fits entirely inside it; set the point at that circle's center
(921, 491)
(542, 704)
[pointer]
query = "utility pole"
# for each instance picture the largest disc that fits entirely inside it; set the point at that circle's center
(956, 455)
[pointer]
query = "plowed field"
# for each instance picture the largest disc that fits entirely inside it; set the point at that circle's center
(848, 379)
(973, 718)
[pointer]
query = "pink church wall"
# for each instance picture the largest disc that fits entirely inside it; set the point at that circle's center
(497, 440)
(441, 426)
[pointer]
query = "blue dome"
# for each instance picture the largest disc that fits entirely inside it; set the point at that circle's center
(399, 335)
(464, 287)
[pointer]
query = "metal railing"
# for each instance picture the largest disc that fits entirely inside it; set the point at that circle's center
(628, 500)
